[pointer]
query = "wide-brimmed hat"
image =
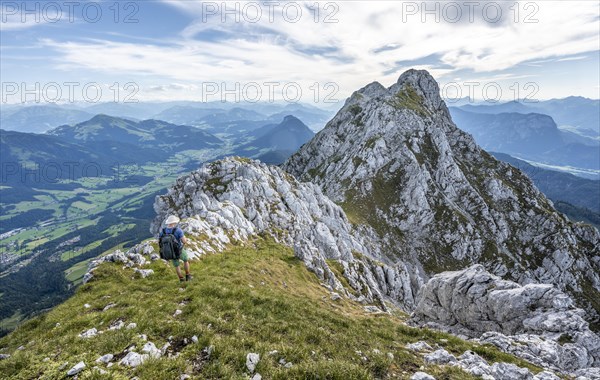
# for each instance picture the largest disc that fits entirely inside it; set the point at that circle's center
(172, 219)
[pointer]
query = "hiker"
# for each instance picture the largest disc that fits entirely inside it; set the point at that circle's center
(170, 242)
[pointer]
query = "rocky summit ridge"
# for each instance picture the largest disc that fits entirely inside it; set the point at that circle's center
(433, 200)
(235, 200)
(389, 194)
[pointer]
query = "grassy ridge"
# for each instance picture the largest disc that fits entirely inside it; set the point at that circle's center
(253, 299)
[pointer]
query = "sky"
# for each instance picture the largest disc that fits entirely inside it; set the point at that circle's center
(310, 51)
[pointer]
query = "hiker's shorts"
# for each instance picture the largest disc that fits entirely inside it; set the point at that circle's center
(183, 257)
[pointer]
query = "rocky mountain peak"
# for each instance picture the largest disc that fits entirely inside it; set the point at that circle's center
(424, 85)
(407, 176)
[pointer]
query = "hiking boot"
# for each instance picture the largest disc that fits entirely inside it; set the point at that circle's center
(188, 277)
(181, 279)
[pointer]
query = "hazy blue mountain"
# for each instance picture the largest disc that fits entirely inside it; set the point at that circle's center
(559, 186)
(576, 111)
(569, 136)
(234, 114)
(532, 136)
(314, 117)
(451, 102)
(274, 143)
(185, 114)
(531, 133)
(39, 118)
(147, 133)
(495, 108)
(208, 118)
(581, 114)
(139, 111)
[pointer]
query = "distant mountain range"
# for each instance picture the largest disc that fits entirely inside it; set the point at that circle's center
(39, 119)
(581, 114)
(274, 143)
(532, 136)
(215, 117)
(147, 134)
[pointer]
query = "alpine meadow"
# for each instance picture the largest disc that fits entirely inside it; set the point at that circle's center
(303, 190)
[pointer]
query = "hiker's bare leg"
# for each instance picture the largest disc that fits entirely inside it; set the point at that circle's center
(178, 270)
(186, 266)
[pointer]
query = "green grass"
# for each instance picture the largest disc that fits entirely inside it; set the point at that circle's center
(408, 98)
(244, 300)
(97, 201)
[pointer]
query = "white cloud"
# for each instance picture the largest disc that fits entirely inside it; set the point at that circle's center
(344, 51)
(576, 58)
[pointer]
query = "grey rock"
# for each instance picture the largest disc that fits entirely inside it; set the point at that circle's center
(105, 358)
(546, 375)
(136, 258)
(147, 249)
(76, 369)
(421, 376)
(419, 346)
(144, 272)
(109, 306)
(87, 277)
(474, 364)
(133, 359)
(256, 376)
(89, 333)
(440, 356)
(526, 321)
(164, 348)
(252, 360)
(131, 326)
(116, 325)
(588, 374)
(150, 349)
(373, 309)
(116, 257)
(4, 356)
(154, 257)
(507, 371)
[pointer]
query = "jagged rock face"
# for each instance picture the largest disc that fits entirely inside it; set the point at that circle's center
(235, 199)
(528, 321)
(405, 174)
